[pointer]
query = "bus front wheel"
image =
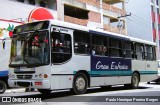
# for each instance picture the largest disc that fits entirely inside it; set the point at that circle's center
(44, 91)
(3, 87)
(135, 81)
(80, 83)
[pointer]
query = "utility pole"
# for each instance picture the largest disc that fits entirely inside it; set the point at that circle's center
(121, 26)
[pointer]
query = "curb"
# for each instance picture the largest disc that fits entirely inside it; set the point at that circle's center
(15, 90)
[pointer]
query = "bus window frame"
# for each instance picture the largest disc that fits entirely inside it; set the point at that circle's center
(90, 43)
(55, 31)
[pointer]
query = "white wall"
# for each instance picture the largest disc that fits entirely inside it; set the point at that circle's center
(139, 23)
(12, 9)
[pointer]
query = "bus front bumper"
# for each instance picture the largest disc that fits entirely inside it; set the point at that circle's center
(38, 84)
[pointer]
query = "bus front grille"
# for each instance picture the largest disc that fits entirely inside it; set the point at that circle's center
(24, 84)
(24, 76)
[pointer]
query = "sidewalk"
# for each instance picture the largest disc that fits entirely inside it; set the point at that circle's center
(14, 90)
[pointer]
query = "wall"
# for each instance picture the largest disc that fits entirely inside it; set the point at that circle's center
(12, 9)
(139, 23)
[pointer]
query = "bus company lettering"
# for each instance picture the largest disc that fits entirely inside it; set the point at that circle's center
(100, 66)
(119, 66)
(114, 65)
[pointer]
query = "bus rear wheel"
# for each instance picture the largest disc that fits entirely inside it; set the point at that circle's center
(80, 83)
(44, 91)
(3, 87)
(135, 81)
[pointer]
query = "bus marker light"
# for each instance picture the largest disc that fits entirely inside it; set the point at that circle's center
(45, 76)
(38, 83)
(70, 78)
(36, 76)
(13, 76)
(40, 75)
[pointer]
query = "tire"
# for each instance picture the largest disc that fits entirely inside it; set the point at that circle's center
(135, 81)
(3, 87)
(80, 83)
(44, 91)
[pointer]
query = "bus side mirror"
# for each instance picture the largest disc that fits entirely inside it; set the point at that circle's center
(3, 43)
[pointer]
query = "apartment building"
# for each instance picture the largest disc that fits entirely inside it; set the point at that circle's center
(100, 14)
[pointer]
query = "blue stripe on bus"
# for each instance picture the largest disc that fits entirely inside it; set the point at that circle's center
(3, 73)
(112, 36)
(118, 73)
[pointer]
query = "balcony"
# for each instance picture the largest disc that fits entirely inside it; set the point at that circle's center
(73, 20)
(91, 2)
(112, 1)
(112, 10)
(114, 29)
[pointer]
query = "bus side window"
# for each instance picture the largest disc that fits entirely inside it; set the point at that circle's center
(139, 51)
(81, 42)
(127, 50)
(149, 53)
(99, 45)
(61, 47)
(115, 48)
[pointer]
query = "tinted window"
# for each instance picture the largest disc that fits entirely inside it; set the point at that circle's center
(99, 45)
(115, 48)
(61, 47)
(81, 42)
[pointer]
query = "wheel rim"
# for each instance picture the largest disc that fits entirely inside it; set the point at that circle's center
(80, 83)
(135, 81)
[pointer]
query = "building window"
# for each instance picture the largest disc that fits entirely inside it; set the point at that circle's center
(152, 8)
(32, 2)
(20, 0)
(42, 3)
(106, 20)
(158, 11)
(157, 2)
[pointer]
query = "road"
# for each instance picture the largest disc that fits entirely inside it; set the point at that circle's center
(117, 95)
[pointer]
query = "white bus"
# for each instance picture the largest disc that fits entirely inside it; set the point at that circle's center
(52, 55)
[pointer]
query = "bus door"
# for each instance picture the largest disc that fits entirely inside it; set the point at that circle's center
(61, 52)
(138, 64)
(151, 64)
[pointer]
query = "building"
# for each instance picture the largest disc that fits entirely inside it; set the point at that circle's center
(144, 22)
(94, 13)
(101, 14)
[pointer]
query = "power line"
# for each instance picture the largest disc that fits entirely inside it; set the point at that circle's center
(142, 19)
(147, 26)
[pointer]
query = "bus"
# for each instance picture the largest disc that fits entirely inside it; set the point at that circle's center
(4, 61)
(54, 55)
(6, 31)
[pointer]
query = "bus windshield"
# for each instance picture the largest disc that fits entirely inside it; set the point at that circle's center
(30, 49)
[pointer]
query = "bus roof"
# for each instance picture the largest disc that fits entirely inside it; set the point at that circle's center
(99, 31)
